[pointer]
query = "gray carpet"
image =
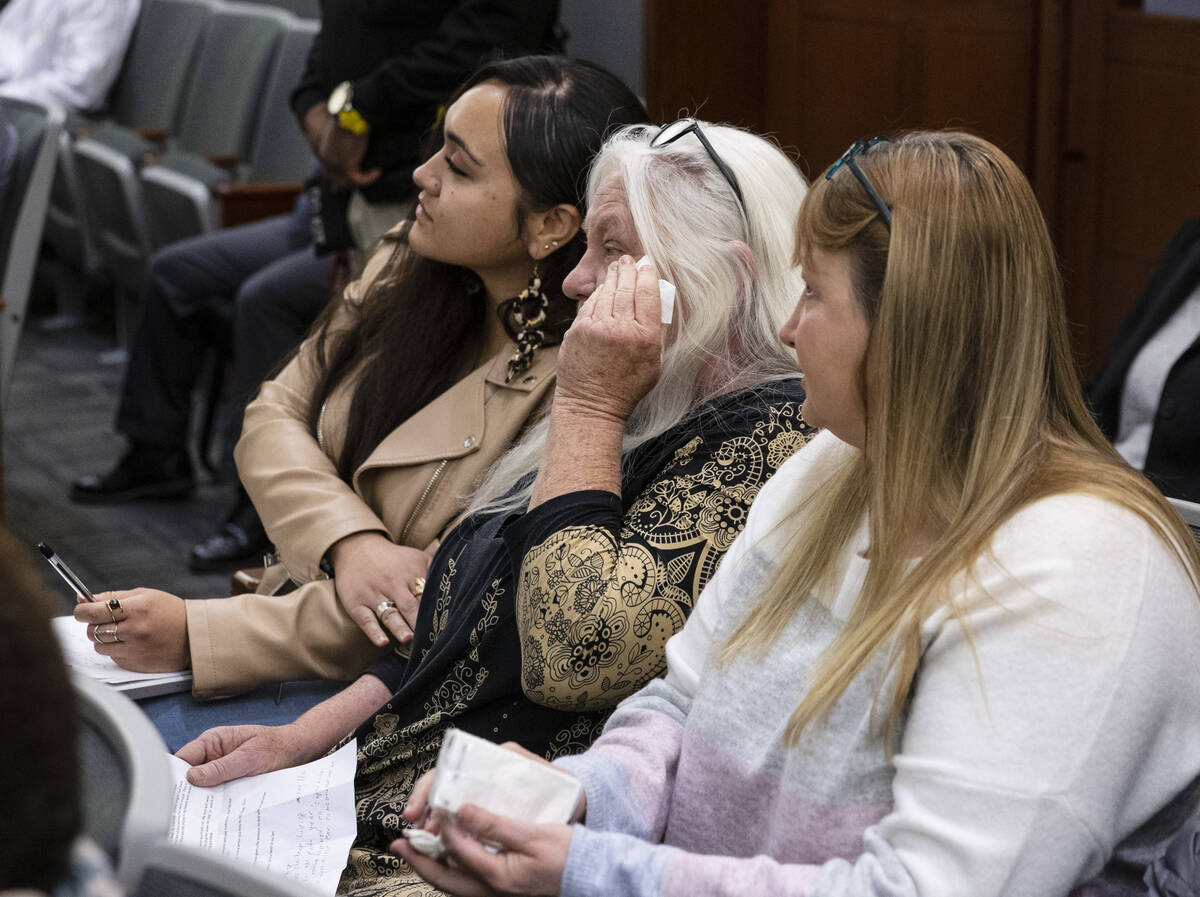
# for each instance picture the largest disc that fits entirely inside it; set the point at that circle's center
(57, 425)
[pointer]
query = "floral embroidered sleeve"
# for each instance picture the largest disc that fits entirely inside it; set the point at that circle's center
(604, 581)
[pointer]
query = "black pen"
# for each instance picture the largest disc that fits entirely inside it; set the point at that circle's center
(66, 572)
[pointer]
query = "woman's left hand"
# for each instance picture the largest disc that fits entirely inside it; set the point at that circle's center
(530, 861)
(146, 632)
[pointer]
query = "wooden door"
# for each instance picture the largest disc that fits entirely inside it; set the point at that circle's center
(1098, 102)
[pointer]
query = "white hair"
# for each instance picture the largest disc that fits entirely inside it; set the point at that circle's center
(729, 305)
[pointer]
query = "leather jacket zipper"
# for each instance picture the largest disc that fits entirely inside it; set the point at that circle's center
(420, 506)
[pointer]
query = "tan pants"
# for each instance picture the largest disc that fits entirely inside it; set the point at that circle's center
(368, 222)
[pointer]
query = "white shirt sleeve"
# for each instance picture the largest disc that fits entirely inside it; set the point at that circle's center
(65, 52)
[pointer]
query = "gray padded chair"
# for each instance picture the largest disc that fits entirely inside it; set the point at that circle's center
(215, 121)
(147, 98)
(149, 90)
(181, 191)
(22, 216)
(177, 871)
(126, 777)
(308, 9)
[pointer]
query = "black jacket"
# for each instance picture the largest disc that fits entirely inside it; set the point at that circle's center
(405, 57)
(1173, 461)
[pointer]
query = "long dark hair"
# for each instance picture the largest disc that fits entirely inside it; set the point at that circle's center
(421, 323)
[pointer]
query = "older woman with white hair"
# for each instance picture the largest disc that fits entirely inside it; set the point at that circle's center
(588, 543)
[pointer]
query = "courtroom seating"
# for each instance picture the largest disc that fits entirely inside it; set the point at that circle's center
(305, 9)
(216, 120)
(146, 97)
(186, 194)
(175, 870)
(22, 216)
(125, 777)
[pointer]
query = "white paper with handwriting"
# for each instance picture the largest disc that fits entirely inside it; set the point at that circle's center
(296, 822)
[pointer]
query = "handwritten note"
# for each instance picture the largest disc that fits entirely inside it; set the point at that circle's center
(298, 822)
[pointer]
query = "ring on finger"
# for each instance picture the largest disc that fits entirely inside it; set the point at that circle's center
(109, 633)
(113, 606)
(417, 587)
(383, 607)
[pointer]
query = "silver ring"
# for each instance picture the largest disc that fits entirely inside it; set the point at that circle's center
(383, 607)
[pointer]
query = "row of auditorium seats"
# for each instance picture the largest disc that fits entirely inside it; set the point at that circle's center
(198, 133)
(199, 109)
(21, 217)
(127, 799)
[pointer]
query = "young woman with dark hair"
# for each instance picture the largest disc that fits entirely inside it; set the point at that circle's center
(587, 544)
(366, 446)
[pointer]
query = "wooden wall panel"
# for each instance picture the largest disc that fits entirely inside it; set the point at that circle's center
(981, 81)
(864, 96)
(706, 59)
(837, 71)
(1132, 100)
(1096, 100)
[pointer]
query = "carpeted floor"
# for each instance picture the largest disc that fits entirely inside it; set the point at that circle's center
(57, 425)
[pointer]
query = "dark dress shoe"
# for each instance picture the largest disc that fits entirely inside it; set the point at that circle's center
(143, 472)
(240, 540)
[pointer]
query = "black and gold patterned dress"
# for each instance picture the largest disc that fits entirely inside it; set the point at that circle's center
(533, 626)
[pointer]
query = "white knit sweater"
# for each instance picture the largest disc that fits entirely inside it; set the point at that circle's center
(1063, 734)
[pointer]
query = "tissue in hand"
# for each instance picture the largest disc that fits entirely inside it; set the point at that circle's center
(666, 292)
(471, 770)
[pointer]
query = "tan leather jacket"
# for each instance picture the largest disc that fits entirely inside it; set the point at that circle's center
(412, 487)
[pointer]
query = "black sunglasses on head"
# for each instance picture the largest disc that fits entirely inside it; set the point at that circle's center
(668, 134)
(847, 158)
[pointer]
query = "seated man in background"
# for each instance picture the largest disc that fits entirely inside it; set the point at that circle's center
(371, 88)
(63, 52)
(40, 826)
(1146, 397)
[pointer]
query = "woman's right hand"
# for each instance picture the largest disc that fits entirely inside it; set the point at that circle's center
(612, 354)
(232, 752)
(416, 811)
(369, 568)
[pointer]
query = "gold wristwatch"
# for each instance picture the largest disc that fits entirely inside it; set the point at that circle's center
(341, 107)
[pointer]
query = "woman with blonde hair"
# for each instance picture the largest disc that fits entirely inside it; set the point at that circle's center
(954, 649)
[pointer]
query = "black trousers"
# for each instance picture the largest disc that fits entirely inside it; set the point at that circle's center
(261, 279)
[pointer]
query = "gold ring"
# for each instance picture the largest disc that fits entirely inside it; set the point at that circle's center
(107, 633)
(418, 587)
(113, 606)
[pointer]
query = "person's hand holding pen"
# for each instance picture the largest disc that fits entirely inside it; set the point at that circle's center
(150, 629)
(143, 630)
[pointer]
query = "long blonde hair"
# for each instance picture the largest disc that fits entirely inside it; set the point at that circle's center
(974, 407)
